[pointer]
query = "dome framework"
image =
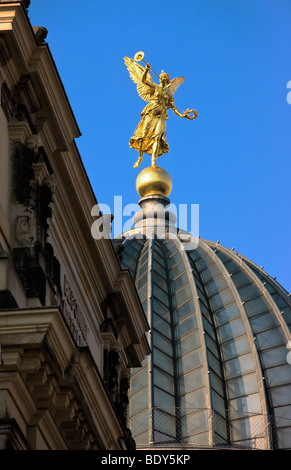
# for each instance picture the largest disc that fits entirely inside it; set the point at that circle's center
(218, 373)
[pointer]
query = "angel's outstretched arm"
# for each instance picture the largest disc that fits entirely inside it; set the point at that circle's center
(176, 111)
(186, 114)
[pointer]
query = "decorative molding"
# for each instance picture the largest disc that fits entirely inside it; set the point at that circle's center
(25, 94)
(19, 131)
(60, 379)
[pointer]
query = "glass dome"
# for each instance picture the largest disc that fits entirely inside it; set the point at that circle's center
(218, 373)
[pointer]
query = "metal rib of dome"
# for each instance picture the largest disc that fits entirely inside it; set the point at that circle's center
(218, 373)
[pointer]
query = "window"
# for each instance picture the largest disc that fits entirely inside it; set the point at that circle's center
(226, 314)
(188, 343)
(163, 380)
(183, 294)
(163, 361)
(191, 381)
(241, 386)
(162, 399)
(238, 366)
(190, 361)
(221, 299)
(186, 326)
(162, 325)
(216, 285)
(235, 347)
(185, 310)
(231, 330)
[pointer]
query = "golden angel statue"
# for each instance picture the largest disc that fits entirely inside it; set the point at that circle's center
(150, 134)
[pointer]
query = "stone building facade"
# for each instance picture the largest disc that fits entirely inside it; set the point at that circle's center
(71, 322)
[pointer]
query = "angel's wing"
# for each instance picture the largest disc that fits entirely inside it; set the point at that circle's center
(175, 83)
(136, 72)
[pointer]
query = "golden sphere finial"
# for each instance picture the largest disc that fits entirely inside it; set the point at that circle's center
(154, 180)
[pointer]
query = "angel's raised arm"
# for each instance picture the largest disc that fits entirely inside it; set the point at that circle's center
(144, 77)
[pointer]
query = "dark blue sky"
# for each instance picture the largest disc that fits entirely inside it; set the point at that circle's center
(234, 160)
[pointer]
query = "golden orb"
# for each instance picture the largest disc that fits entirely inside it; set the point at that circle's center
(154, 180)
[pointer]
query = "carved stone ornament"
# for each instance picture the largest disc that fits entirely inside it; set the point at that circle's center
(40, 34)
(30, 211)
(23, 231)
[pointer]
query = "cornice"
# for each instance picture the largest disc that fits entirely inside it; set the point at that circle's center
(26, 57)
(44, 74)
(21, 41)
(54, 359)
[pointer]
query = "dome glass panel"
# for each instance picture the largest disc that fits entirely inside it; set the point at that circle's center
(218, 373)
